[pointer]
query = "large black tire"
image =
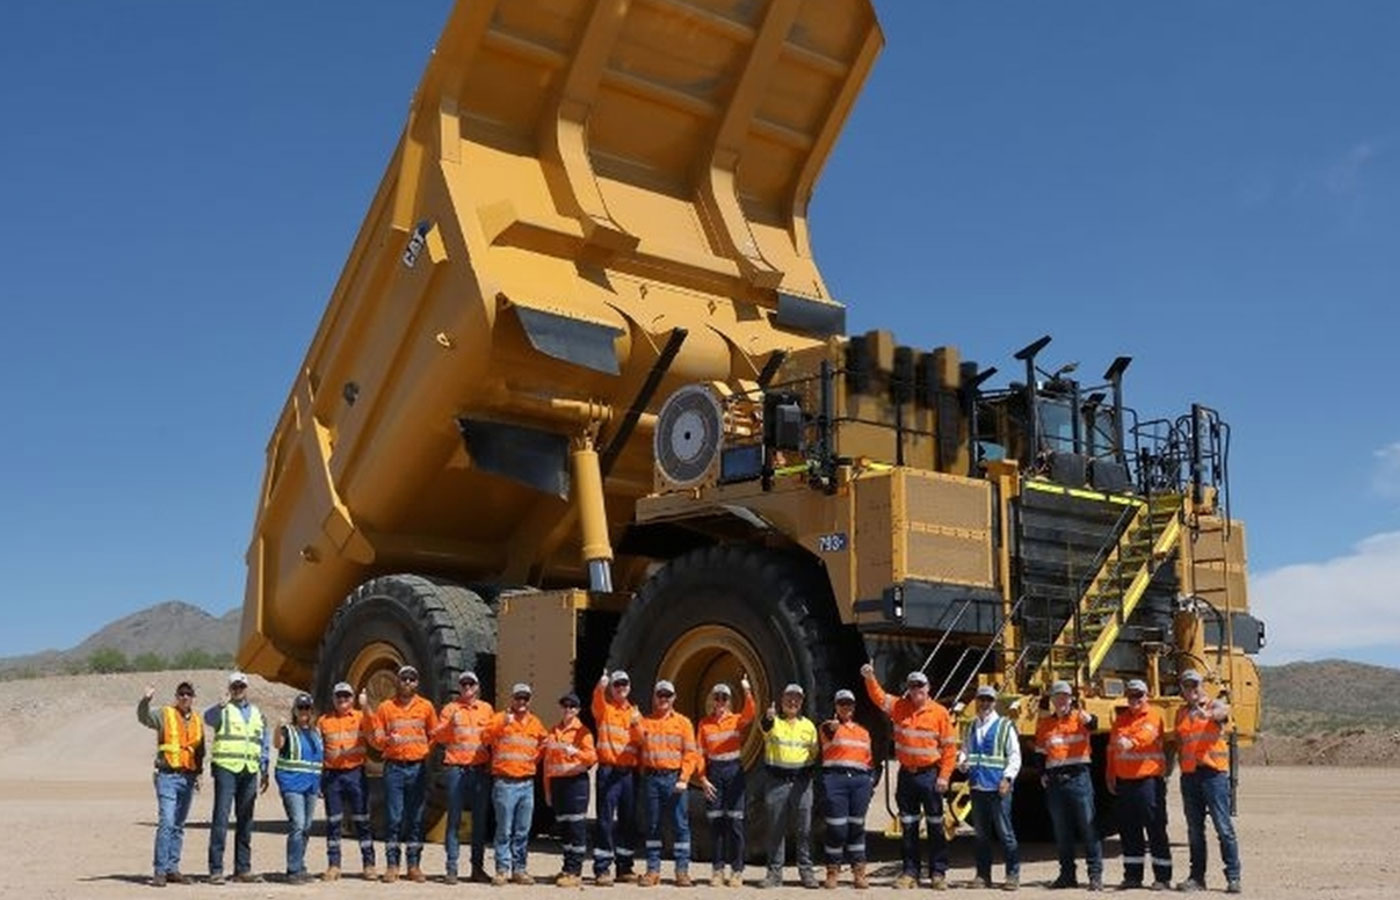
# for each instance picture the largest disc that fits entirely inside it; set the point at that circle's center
(440, 628)
(773, 610)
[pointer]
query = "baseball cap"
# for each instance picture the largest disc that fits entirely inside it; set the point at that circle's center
(665, 687)
(916, 677)
(845, 696)
(519, 688)
(621, 676)
(1191, 675)
(1136, 686)
(986, 691)
(343, 687)
(1061, 687)
(721, 688)
(303, 701)
(408, 672)
(237, 678)
(569, 699)
(468, 677)
(794, 688)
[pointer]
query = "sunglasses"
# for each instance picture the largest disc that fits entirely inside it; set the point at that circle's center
(569, 705)
(238, 686)
(665, 694)
(305, 708)
(1135, 695)
(184, 695)
(409, 679)
(344, 696)
(520, 696)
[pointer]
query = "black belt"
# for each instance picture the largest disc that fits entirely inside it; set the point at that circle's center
(906, 769)
(844, 770)
(788, 774)
(470, 765)
(1067, 772)
(674, 773)
(515, 778)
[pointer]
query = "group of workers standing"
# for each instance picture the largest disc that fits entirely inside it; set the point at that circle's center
(491, 760)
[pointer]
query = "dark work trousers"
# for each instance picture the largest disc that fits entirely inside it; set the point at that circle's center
(845, 799)
(616, 808)
(1142, 809)
(788, 804)
(347, 795)
(570, 796)
(725, 813)
(1069, 797)
(917, 798)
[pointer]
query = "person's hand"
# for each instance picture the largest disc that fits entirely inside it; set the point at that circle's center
(198, 781)
(1125, 743)
(867, 671)
(744, 683)
(830, 726)
(363, 699)
(941, 785)
(963, 765)
(604, 679)
(708, 786)
(262, 783)
(1005, 787)
(772, 710)
(681, 785)
(281, 721)
(1085, 717)
(570, 750)
(150, 691)
(1045, 781)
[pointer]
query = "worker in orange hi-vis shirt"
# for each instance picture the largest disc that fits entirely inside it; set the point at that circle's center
(403, 727)
(1137, 769)
(568, 755)
(347, 732)
(721, 735)
(516, 737)
(926, 745)
(847, 784)
(669, 757)
(467, 772)
(616, 802)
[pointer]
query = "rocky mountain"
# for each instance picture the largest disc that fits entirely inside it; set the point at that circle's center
(166, 630)
(1329, 694)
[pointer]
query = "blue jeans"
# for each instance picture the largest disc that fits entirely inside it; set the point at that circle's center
(1142, 809)
(405, 789)
(616, 808)
(991, 815)
(515, 808)
(301, 811)
(468, 787)
(347, 789)
(665, 802)
(1070, 800)
(916, 796)
(1206, 791)
(845, 799)
(570, 797)
(174, 791)
(236, 793)
(725, 813)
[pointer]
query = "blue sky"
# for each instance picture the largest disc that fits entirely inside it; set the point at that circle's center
(1213, 189)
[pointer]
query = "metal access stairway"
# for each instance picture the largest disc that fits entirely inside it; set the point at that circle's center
(1112, 593)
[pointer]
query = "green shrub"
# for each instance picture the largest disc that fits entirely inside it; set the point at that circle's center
(108, 659)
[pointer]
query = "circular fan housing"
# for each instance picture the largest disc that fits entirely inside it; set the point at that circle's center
(688, 432)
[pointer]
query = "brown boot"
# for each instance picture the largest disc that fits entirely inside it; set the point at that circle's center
(416, 874)
(370, 873)
(683, 878)
(391, 874)
(832, 873)
(858, 879)
(332, 874)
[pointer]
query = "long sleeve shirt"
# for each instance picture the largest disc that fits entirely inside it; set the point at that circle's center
(214, 714)
(616, 745)
(156, 722)
(923, 736)
(568, 751)
(722, 737)
(667, 743)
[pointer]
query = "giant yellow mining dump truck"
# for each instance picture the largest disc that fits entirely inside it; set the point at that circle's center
(581, 397)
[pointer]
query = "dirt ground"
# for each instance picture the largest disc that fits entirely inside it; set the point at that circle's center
(77, 812)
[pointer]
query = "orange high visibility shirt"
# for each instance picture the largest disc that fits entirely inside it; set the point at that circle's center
(1145, 757)
(1063, 740)
(721, 737)
(1202, 740)
(516, 743)
(402, 730)
(559, 762)
(922, 737)
(668, 742)
(460, 731)
(616, 746)
(346, 738)
(848, 748)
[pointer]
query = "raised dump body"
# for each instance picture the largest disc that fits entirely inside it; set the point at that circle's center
(592, 204)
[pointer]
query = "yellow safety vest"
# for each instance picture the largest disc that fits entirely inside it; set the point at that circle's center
(791, 743)
(238, 743)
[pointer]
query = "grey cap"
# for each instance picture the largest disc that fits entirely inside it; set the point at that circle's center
(343, 687)
(987, 691)
(664, 685)
(1061, 687)
(721, 688)
(1137, 684)
(845, 696)
(795, 688)
(303, 700)
(620, 675)
(405, 671)
(521, 687)
(468, 677)
(916, 677)
(1191, 675)
(237, 678)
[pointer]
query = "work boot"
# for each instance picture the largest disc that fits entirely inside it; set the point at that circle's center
(1233, 887)
(501, 878)
(735, 879)
(522, 877)
(1012, 883)
(717, 878)
(980, 882)
(216, 878)
(158, 880)
(566, 880)
(627, 877)
(1064, 882)
(248, 878)
(449, 878)
(369, 872)
(649, 879)
(479, 876)
(939, 882)
(1095, 882)
(859, 881)
(1129, 884)
(1190, 886)
(774, 879)
(683, 878)
(176, 878)
(809, 879)
(1161, 886)
(415, 874)
(832, 874)
(905, 881)
(332, 874)
(391, 874)
(603, 879)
